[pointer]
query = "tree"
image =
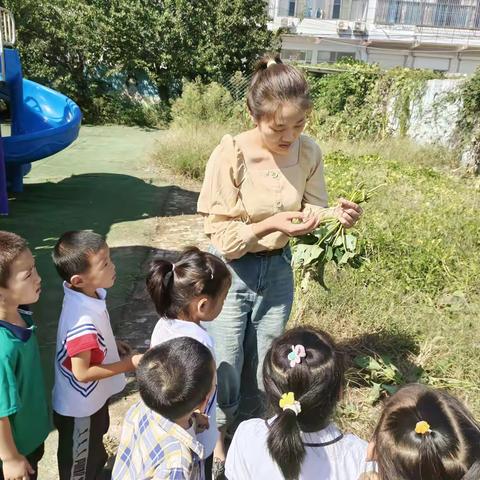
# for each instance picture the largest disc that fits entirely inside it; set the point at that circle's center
(84, 47)
(236, 35)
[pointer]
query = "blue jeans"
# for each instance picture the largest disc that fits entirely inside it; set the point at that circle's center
(256, 311)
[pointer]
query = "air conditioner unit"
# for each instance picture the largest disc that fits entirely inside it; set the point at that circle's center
(284, 23)
(343, 26)
(359, 27)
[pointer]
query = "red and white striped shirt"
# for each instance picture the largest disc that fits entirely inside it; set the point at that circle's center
(84, 325)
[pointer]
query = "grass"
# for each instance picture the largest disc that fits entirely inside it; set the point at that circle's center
(186, 149)
(416, 299)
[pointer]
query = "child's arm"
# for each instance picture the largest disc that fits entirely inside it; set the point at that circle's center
(14, 465)
(84, 372)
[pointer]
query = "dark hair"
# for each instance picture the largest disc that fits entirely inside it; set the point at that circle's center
(195, 273)
(11, 246)
(176, 376)
(71, 252)
(275, 84)
(451, 451)
(316, 383)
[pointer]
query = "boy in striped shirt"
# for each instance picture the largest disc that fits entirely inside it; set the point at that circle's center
(88, 367)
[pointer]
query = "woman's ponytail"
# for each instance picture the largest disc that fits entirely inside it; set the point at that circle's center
(285, 444)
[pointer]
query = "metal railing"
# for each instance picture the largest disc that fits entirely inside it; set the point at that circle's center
(7, 36)
(428, 13)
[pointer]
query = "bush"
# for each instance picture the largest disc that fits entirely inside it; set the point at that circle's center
(121, 109)
(202, 103)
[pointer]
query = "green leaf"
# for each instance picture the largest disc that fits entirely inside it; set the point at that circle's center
(390, 389)
(375, 393)
(346, 257)
(350, 242)
(338, 241)
(305, 255)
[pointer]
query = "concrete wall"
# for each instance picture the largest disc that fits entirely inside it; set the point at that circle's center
(433, 115)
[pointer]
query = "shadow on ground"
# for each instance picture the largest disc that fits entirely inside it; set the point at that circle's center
(88, 201)
(397, 347)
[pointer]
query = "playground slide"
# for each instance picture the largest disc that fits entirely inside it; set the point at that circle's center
(43, 121)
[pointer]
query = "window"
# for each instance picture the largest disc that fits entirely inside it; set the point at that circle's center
(336, 9)
(291, 9)
(300, 56)
(335, 56)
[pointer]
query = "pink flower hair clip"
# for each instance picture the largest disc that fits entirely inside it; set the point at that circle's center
(296, 355)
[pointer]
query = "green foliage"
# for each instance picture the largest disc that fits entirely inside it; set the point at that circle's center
(329, 242)
(357, 102)
(416, 299)
(468, 124)
(200, 118)
(80, 48)
(380, 374)
(470, 95)
(120, 108)
(332, 92)
(407, 85)
(200, 103)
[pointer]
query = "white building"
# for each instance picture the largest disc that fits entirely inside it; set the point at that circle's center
(437, 34)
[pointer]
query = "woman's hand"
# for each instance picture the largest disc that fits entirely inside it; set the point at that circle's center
(348, 213)
(293, 224)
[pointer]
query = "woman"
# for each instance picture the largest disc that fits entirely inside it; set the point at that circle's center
(261, 187)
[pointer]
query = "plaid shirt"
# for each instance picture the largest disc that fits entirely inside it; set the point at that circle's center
(152, 447)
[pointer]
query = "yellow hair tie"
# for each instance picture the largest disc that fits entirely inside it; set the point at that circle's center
(288, 402)
(422, 428)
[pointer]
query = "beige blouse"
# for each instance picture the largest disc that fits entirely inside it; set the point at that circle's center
(234, 196)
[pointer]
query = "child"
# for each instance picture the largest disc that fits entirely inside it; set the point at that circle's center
(303, 379)
(424, 433)
(185, 293)
(158, 436)
(88, 369)
(24, 417)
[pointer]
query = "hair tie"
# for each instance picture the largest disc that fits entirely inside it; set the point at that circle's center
(296, 355)
(288, 402)
(422, 428)
(271, 62)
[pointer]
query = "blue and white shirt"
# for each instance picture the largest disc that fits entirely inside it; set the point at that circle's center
(84, 325)
(166, 329)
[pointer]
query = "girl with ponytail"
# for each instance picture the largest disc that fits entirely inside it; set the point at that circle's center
(425, 434)
(185, 293)
(303, 380)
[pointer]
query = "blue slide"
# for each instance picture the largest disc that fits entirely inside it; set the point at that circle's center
(43, 123)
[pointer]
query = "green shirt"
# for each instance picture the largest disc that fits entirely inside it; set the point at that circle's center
(22, 389)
